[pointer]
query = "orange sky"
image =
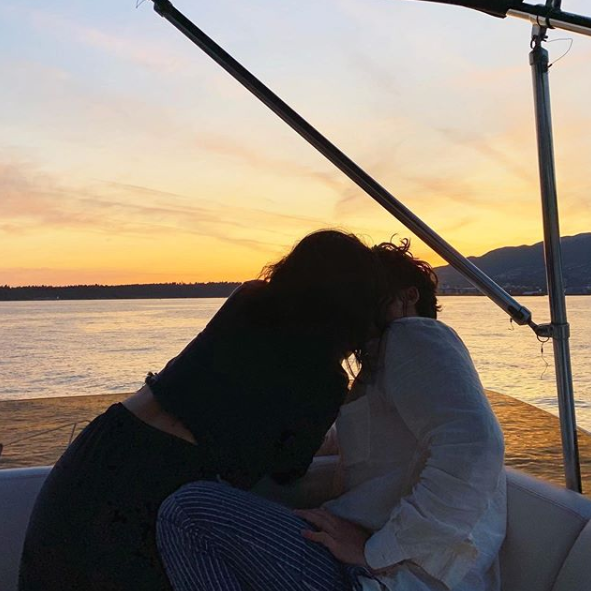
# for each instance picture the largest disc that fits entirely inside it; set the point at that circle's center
(127, 156)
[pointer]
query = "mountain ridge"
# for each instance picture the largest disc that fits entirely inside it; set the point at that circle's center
(520, 269)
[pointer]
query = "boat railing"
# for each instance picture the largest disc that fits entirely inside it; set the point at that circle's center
(558, 329)
(33, 435)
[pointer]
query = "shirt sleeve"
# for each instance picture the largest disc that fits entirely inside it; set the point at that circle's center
(296, 452)
(430, 380)
(311, 420)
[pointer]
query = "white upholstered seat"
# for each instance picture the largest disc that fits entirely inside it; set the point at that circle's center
(548, 545)
(18, 491)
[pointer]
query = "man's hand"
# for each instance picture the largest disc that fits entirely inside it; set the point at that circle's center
(345, 540)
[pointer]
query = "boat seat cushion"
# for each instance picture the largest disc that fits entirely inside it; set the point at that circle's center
(18, 491)
(575, 574)
(544, 524)
(548, 545)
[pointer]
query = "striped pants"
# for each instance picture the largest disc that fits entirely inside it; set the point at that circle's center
(213, 537)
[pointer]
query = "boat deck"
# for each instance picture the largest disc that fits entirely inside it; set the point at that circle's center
(532, 435)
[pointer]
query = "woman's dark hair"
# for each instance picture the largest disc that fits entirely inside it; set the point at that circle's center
(402, 271)
(328, 285)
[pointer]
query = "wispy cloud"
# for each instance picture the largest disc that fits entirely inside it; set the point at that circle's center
(152, 54)
(257, 157)
(507, 159)
(33, 199)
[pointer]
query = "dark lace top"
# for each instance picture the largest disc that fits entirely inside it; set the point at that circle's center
(257, 390)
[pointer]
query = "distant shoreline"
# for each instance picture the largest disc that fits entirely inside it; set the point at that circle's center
(118, 292)
(519, 270)
(31, 296)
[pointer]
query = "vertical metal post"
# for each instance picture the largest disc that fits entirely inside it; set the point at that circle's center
(559, 328)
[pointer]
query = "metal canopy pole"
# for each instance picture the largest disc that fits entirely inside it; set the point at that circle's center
(485, 284)
(544, 17)
(549, 15)
(558, 329)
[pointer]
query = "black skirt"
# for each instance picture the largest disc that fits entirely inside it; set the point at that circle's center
(93, 526)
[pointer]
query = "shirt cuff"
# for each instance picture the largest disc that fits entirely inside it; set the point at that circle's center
(383, 550)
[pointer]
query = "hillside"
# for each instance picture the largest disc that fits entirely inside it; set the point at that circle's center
(520, 269)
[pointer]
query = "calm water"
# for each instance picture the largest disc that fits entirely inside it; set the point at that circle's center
(62, 348)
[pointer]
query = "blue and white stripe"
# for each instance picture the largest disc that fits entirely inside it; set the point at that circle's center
(213, 537)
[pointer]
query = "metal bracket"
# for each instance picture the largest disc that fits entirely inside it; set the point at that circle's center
(538, 35)
(162, 6)
(553, 331)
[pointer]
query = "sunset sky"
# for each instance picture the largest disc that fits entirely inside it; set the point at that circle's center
(127, 155)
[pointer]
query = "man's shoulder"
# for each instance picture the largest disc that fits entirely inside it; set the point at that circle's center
(422, 329)
(426, 342)
(428, 354)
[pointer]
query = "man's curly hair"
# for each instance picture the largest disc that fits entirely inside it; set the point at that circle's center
(402, 270)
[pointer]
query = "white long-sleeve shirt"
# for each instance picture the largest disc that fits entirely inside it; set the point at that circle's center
(422, 458)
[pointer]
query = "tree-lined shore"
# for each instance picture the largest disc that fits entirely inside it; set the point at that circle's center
(119, 292)
(518, 269)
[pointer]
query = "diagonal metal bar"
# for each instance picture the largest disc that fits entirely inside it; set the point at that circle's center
(480, 280)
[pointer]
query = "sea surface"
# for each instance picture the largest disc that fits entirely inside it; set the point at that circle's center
(72, 348)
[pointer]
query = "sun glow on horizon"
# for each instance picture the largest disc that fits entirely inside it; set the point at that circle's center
(127, 156)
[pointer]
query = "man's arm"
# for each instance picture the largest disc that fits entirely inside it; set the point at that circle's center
(432, 383)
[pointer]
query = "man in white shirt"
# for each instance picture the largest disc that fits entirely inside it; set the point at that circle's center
(423, 502)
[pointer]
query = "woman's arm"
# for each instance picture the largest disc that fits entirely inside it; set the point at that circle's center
(296, 451)
(312, 416)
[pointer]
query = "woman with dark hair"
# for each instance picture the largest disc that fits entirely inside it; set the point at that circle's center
(252, 395)
(422, 505)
